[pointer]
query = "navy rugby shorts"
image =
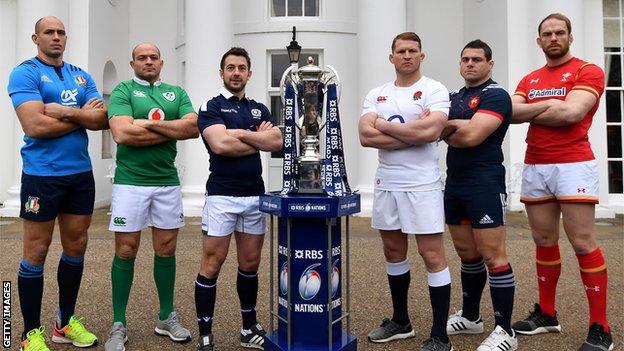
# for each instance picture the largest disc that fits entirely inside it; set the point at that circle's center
(481, 207)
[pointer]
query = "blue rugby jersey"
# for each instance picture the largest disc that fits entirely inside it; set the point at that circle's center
(482, 164)
(68, 85)
(233, 176)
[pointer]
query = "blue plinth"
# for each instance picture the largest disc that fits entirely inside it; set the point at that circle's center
(309, 262)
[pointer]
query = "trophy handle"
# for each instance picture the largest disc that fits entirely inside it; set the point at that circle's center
(286, 76)
(334, 78)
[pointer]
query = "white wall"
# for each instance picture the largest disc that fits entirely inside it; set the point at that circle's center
(8, 138)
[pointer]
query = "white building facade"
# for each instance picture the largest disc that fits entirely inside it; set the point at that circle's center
(353, 36)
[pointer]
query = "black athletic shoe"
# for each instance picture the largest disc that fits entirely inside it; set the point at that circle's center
(205, 343)
(537, 322)
(597, 339)
(391, 330)
(253, 337)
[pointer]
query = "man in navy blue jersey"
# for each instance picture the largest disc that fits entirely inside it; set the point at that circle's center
(234, 129)
(475, 196)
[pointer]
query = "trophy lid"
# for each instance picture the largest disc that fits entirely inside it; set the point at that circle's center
(311, 71)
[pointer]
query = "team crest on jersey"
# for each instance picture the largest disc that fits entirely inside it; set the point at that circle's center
(32, 205)
(80, 80)
(565, 76)
(417, 95)
(381, 99)
(45, 79)
(170, 96)
(156, 114)
(256, 113)
(474, 102)
(138, 93)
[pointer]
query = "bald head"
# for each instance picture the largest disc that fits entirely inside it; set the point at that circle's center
(40, 24)
(144, 46)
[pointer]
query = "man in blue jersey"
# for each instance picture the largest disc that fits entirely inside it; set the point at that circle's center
(475, 196)
(234, 129)
(55, 103)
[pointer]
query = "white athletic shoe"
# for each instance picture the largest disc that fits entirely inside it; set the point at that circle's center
(499, 340)
(457, 324)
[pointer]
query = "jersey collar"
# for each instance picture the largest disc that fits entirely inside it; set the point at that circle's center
(228, 94)
(144, 82)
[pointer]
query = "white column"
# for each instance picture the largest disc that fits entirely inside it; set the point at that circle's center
(379, 22)
(28, 12)
(8, 137)
(208, 34)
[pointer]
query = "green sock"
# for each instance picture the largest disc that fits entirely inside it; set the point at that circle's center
(164, 277)
(122, 273)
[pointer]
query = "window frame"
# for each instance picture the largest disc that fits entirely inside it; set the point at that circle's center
(301, 17)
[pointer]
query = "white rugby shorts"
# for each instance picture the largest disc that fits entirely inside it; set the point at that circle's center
(223, 215)
(560, 182)
(413, 212)
(137, 207)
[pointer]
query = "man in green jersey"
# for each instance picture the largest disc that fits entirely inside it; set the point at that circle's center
(147, 117)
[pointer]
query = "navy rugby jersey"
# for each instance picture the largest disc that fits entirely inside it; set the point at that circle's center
(233, 176)
(482, 164)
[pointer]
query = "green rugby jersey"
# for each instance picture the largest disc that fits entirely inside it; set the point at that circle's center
(149, 165)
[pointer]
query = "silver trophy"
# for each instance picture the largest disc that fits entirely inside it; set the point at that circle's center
(309, 83)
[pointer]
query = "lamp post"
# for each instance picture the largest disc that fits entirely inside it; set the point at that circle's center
(294, 49)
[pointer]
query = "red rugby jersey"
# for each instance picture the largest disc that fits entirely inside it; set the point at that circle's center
(568, 143)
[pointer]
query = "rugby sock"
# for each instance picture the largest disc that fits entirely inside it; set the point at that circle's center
(164, 277)
(502, 290)
(440, 296)
(399, 281)
(548, 264)
(594, 276)
(69, 276)
(122, 273)
(473, 279)
(30, 290)
(247, 288)
(205, 297)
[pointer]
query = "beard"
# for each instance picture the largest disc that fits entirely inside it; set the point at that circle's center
(53, 54)
(557, 54)
(234, 89)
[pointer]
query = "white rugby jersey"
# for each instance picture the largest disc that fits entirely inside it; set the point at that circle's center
(413, 168)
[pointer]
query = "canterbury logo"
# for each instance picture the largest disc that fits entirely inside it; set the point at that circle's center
(119, 221)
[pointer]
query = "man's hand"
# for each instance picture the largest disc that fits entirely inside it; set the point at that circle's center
(265, 125)
(236, 133)
(426, 113)
(93, 103)
(380, 123)
(143, 123)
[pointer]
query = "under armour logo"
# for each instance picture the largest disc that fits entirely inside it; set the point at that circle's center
(542, 279)
(594, 288)
(534, 81)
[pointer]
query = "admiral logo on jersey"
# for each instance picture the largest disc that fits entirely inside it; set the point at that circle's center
(552, 92)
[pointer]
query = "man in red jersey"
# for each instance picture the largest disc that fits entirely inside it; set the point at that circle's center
(560, 177)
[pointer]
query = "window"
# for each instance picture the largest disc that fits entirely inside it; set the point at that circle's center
(294, 8)
(279, 62)
(614, 94)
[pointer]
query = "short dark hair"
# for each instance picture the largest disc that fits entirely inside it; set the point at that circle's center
(558, 16)
(407, 36)
(236, 51)
(479, 44)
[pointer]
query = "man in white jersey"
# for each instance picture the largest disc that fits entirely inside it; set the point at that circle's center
(403, 119)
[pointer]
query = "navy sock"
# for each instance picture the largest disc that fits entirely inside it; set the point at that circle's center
(205, 297)
(247, 288)
(69, 276)
(399, 288)
(502, 289)
(440, 297)
(473, 279)
(30, 290)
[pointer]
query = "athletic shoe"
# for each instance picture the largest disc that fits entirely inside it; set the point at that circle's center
(253, 337)
(499, 340)
(74, 333)
(457, 324)
(435, 344)
(35, 341)
(597, 339)
(537, 322)
(205, 343)
(390, 330)
(172, 328)
(117, 338)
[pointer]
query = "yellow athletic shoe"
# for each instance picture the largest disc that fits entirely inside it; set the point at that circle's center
(74, 333)
(35, 341)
